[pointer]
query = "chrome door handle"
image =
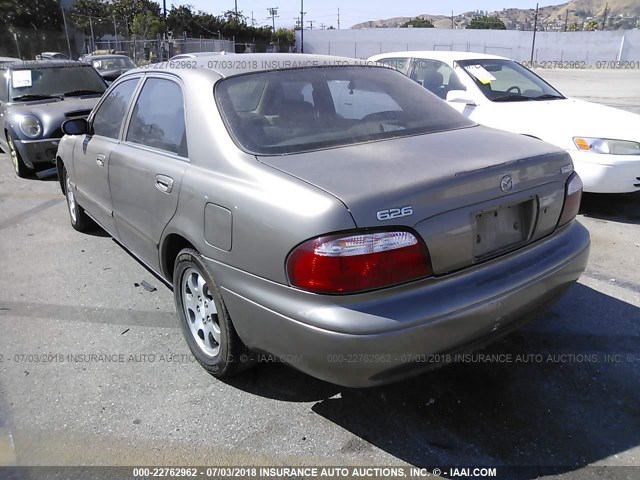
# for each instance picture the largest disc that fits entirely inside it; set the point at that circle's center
(164, 183)
(100, 160)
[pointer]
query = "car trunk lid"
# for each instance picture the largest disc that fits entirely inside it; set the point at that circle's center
(472, 193)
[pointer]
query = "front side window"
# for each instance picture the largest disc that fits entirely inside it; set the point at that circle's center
(110, 115)
(60, 81)
(507, 81)
(314, 108)
(158, 117)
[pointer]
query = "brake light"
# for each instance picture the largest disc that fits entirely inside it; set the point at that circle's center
(572, 198)
(352, 263)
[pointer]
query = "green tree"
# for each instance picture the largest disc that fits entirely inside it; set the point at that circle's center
(207, 25)
(128, 9)
(35, 14)
(83, 9)
(147, 25)
(101, 19)
(418, 23)
(284, 37)
(486, 23)
(591, 25)
(573, 27)
(180, 21)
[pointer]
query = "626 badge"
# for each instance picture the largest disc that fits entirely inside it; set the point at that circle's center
(394, 213)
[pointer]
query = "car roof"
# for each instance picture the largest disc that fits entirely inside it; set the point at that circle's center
(26, 64)
(239, 64)
(199, 54)
(445, 56)
(106, 55)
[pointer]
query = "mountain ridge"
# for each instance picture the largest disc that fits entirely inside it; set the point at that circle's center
(575, 14)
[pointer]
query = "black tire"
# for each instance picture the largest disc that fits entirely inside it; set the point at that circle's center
(80, 221)
(221, 357)
(19, 166)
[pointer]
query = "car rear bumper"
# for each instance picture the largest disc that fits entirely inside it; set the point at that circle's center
(603, 173)
(36, 152)
(378, 337)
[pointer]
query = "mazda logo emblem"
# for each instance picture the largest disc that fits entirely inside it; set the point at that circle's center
(506, 184)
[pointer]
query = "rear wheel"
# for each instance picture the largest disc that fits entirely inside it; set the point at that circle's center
(19, 166)
(80, 221)
(204, 319)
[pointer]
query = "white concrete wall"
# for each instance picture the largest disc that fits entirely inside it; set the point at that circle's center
(550, 46)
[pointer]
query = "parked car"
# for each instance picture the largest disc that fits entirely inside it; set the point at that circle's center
(603, 142)
(192, 55)
(52, 56)
(35, 98)
(338, 215)
(110, 66)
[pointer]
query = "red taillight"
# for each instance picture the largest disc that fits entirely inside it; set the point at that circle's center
(352, 263)
(572, 198)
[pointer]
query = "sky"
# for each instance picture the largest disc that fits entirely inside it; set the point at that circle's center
(351, 11)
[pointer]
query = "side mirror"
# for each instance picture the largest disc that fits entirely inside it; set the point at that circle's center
(75, 126)
(460, 96)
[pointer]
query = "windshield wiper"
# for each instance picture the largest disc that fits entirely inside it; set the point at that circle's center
(35, 96)
(82, 92)
(511, 98)
(547, 96)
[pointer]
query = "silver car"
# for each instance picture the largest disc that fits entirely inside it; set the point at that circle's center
(332, 214)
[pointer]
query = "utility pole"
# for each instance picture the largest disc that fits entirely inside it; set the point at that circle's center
(273, 14)
(253, 22)
(535, 27)
(115, 29)
(301, 26)
(338, 19)
(93, 39)
(236, 9)
(604, 17)
(452, 26)
(311, 22)
(566, 20)
(322, 25)
(164, 8)
(66, 31)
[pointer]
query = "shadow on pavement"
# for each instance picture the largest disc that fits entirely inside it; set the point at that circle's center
(567, 396)
(624, 207)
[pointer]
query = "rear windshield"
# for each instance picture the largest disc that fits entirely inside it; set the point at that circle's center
(291, 111)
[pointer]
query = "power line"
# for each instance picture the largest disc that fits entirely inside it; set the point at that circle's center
(311, 22)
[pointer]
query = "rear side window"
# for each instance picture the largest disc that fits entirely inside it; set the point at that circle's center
(158, 117)
(110, 115)
(314, 108)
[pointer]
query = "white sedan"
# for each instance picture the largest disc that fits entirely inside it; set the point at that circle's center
(603, 142)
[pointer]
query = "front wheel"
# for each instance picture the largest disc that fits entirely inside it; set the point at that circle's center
(204, 319)
(19, 166)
